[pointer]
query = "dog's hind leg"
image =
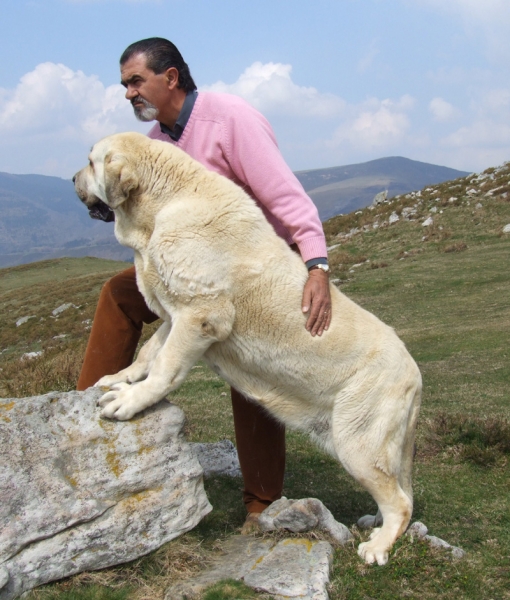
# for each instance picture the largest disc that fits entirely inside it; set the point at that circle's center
(406, 466)
(395, 506)
(377, 451)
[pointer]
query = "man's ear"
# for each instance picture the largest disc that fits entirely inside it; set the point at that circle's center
(119, 178)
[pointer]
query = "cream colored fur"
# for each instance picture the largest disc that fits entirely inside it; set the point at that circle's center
(229, 291)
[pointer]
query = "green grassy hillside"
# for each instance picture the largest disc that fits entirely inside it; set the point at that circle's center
(445, 288)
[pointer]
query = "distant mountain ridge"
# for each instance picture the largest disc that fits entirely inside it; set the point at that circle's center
(344, 189)
(42, 218)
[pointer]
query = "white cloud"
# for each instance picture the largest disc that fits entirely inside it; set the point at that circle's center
(57, 113)
(442, 110)
(270, 89)
(374, 125)
(52, 97)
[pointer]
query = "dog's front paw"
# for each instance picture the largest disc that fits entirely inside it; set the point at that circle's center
(110, 380)
(373, 550)
(119, 403)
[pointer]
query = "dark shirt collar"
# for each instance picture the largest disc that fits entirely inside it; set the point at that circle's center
(183, 118)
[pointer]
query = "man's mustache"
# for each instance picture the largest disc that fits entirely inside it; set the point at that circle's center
(141, 100)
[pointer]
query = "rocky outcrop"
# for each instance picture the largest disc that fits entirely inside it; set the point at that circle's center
(290, 568)
(82, 493)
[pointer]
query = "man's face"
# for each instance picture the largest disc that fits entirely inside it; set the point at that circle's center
(146, 91)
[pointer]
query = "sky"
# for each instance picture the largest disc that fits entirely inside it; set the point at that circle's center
(341, 81)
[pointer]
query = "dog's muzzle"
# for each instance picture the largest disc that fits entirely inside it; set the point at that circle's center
(99, 210)
(102, 212)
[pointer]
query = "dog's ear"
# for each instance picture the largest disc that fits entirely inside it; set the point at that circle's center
(119, 178)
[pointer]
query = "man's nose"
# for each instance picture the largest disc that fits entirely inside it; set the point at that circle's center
(130, 93)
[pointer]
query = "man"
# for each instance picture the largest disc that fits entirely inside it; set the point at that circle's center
(228, 136)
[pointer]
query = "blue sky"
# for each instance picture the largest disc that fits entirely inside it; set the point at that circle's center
(341, 81)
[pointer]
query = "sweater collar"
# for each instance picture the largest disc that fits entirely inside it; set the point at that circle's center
(183, 118)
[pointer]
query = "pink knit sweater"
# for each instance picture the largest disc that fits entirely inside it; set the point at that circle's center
(229, 136)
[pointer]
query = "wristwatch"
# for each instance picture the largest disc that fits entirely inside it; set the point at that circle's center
(322, 266)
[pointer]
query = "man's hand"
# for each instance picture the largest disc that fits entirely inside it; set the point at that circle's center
(317, 302)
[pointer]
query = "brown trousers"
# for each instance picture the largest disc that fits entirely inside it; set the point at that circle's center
(116, 330)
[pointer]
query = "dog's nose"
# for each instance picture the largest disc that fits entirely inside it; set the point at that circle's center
(74, 178)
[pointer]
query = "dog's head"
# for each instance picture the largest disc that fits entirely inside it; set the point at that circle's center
(110, 177)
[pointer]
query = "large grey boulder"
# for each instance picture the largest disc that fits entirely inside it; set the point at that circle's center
(82, 493)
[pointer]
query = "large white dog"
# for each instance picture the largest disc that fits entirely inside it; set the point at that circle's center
(229, 291)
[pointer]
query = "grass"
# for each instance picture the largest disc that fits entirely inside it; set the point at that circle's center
(445, 289)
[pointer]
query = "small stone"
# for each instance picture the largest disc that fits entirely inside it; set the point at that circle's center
(428, 222)
(457, 552)
(478, 205)
(393, 218)
(23, 320)
(380, 198)
(62, 308)
(506, 228)
(219, 458)
(30, 355)
(436, 542)
(303, 515)
(418, 530)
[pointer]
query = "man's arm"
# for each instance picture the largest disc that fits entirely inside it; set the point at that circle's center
(256, 160)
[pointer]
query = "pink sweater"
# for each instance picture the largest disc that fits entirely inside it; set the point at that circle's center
(229, 136)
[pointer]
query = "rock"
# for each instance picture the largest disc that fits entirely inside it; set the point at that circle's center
(83, 493)
(62, 308)
(30, 355)
(478, 205)
(291, 568)
(436, 542)
(417, 530)
(393, 218)
(23, 320)
(428, 222)
(380, 198)
(218, 459)
(506, 228)
(369, 521)
(303, 515)
(408, 212)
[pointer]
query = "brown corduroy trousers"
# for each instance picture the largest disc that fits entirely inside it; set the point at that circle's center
(116, 330)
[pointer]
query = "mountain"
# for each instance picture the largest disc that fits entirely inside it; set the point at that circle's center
(345, 189)
(42, 218)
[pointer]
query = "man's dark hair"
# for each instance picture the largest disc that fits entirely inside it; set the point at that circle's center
(160, 55)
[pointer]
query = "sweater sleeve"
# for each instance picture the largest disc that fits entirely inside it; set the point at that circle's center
(252, 151)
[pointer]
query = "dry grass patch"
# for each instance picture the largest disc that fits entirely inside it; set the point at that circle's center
(481, 440)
